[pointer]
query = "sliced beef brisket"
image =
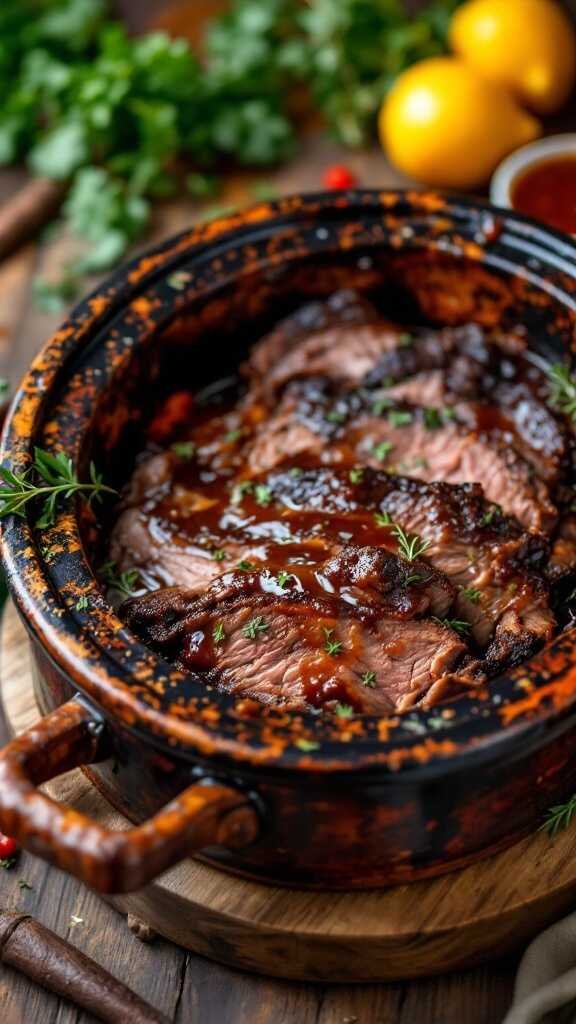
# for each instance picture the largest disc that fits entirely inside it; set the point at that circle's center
(357, 644)
(375, 524)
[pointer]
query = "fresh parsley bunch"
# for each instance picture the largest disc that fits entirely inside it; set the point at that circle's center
(356, 48)
(122, 119)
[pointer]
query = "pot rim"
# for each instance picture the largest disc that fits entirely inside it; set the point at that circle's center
(94, 648)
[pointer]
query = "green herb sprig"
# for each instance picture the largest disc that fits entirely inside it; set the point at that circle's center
(331, 646)
(563, 390)
(49, 479)
(458, 625)
(123, 583)
(255, 628)
(410, 545)
(559, 817)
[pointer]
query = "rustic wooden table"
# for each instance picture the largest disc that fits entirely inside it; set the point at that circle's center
(186, 987)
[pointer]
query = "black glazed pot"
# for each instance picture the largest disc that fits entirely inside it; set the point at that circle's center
(277, 796)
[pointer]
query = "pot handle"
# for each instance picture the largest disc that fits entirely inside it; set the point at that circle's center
(107, 860)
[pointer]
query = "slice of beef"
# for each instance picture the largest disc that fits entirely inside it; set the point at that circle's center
(497, 569)
(173, 536)
(506, 412)
(341, 339)
(299, 649)
(496, 393)
(399, 440)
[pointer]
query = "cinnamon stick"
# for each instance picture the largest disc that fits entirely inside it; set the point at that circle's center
(42, 956)
(28, 210)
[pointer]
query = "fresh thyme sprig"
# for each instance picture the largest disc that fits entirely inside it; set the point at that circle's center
(410, 545)
(121, 582)
(49, 478)
(458, 625)
(559, 817)
(563, 390)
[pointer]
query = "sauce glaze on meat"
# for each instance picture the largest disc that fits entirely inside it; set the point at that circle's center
(380, 519)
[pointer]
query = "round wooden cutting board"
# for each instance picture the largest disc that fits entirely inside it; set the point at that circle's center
(407, 931)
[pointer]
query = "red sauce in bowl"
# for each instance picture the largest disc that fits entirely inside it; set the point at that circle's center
(548, 191)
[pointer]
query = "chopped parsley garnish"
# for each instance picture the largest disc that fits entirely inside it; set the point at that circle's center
(82, 603)
(255, 627)
(219, 554)
(382, 519)
(282, 579)
(331, 646)
(563, 390)
(245, 566)
(368, 678)
(218, 633)
(382, 450)
(399, 418)
(262, 495)
(356, 475)
(178, 280)
(344, 710)
(432, 419)
(336, 417)
(410, 545)
(381, 405)
(471, 594)
(306, 746)
(490, 515)
(183, 449)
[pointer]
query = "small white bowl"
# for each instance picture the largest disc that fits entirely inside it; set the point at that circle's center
(515, 166)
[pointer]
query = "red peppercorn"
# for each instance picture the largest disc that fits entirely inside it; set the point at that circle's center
(8, 847)
(338, 176)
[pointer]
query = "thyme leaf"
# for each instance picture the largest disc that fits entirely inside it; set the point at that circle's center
(563, 390)
(218, 633)
(255, 627)
(333, 647)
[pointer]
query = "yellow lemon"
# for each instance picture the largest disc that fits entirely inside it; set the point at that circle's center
(528, 45)
(445, 125)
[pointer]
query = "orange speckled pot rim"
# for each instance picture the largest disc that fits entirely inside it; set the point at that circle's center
(49, 573)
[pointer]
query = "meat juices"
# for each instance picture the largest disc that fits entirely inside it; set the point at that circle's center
(375, 524)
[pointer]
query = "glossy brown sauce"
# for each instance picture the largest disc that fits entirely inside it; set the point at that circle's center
(547, 191)
(210, 506)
